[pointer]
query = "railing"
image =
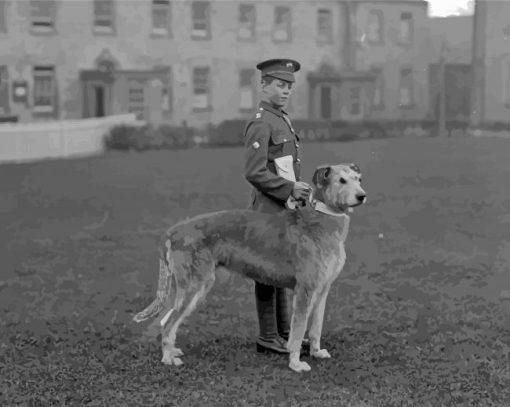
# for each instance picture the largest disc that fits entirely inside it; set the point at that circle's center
(59, 139)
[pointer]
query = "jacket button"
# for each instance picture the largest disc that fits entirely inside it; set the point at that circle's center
(298, 160)
(284, 140)
(297, 144)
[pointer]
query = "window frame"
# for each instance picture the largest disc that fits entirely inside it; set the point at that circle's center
(44, 71)
(201, 34)
(205, 85)
(250, 85)
(378, 14)
(286, 24)
(406, 72)
(43, 24)
(103, 29)
(160, 6)
(250, 25)
(409, 20)
(328, 38)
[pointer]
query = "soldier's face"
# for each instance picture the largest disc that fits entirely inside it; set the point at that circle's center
(277, 92)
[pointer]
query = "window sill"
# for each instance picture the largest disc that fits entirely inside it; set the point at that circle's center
(43, 30)
(160, 34)
(104, 31)
(201, 35)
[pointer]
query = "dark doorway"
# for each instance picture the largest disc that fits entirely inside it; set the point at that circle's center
(99, 101)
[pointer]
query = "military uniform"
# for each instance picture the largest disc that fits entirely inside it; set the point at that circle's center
(269, 135)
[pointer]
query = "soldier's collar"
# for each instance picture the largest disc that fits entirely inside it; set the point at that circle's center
(267, 106)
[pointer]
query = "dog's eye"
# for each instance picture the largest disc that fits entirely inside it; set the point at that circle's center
(343, 181)
(360, 180)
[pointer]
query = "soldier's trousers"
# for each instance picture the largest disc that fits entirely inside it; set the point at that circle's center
(272, 311)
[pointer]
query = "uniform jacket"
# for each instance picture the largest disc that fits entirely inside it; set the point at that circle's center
(269, 135)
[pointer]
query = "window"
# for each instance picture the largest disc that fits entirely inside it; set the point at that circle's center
(136, 101)
(4, 90)
(44, 89)
(406, 28)
(3, 16)
(246, 21)
(200, 11)
(406, 88)
(324, 25)
(282, 24)
(201, 88)
(378, 92)
(246, 80)
(355, 101)
(161, 17)
(42, 15)
(375, 27)
(104, 16)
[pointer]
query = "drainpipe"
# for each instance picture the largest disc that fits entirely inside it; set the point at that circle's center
(349, 49)
(478, 64)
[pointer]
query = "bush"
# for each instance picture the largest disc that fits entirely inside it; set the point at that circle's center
(140, 138)
(227, 133)
(231, 133)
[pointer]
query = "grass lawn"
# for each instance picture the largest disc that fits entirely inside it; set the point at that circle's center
(419, 317)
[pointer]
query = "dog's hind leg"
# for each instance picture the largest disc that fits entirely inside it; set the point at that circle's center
(316, 320)
(301, 307)
(191, 295)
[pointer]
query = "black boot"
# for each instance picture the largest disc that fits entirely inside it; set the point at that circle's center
(269, 340)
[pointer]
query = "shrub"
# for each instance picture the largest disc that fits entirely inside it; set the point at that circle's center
(140, 138)
(227, 133)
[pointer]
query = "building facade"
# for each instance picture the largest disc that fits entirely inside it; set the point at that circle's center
(452, 42)
(194, 61)
(491, 62)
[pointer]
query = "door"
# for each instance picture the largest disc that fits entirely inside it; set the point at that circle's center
(98, 98)
(98, 105)
(97, 94)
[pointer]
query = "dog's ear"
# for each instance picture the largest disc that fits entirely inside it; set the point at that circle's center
(320, 177)
(354, 167)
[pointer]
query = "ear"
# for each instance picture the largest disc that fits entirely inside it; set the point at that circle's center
(320, 177)
(354, 167)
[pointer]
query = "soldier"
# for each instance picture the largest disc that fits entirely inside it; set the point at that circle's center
(270, 139)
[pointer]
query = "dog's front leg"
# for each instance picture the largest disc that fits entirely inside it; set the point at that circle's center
(315, 332)
(301, 306)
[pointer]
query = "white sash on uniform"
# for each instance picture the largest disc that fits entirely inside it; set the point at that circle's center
(285, 169)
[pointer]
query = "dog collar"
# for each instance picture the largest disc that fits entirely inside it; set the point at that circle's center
(322, 207)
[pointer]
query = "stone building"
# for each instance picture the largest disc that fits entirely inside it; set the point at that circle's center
(491, 63)
(193, 61)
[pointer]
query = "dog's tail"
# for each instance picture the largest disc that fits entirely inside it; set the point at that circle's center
(164, 287)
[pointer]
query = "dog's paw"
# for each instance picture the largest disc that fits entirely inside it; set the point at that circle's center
(300, 366)
(320, 354)
(177, 352)
(172, 361)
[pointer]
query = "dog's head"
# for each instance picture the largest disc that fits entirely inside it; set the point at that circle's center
(339, 186)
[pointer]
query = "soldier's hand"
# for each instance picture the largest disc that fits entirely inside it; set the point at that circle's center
(301, 190)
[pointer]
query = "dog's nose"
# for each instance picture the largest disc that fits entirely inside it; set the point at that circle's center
(361, 197)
